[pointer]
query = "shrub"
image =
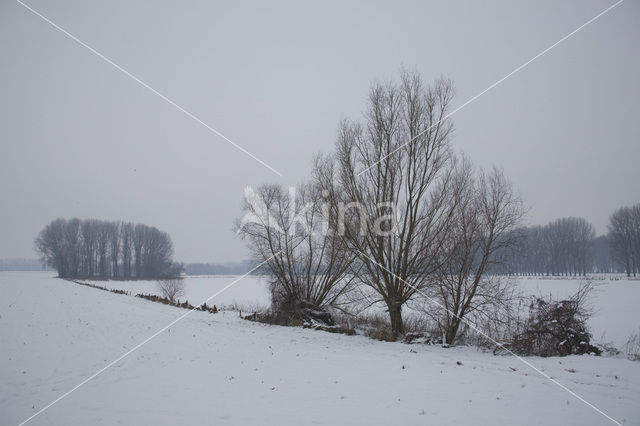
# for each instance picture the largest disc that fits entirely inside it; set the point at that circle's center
(632, 348)
(300, 313)
(172, 288)
(556, 328)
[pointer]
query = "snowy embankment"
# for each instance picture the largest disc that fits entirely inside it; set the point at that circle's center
(219, 369)
(251, 292)
(614, 301)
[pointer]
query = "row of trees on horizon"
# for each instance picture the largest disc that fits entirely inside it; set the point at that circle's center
(95, 248)
(569, 247)
(564, 247)
(624, 238)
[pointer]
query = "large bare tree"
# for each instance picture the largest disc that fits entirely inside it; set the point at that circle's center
(391, 188)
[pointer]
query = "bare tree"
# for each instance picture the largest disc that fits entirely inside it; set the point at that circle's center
(139, 232)
(565, 246)
(602, 256)
(391, 187)
(171, 288)
(157, 254)
(624, 233)
(127, 248)
(478, 239)
(50, 245)
(114, 247)
(286, 230)
(91, 248)
(89, 231)
(571, 241)
(72, 247)
(104, 229)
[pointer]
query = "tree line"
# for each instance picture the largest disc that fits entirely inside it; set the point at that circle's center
(229, 268)
(569, 247)
(95, 248)
(624, 236)
(562, 247)
(22, 265)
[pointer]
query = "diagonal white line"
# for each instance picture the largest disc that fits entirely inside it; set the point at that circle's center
(139, 345)
(471, 325)
(145, 85)
(495, 84)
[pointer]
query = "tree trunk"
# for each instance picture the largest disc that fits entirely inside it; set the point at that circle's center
(452, 331)
(395, 315)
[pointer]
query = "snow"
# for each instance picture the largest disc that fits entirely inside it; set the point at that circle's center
(251, 292)
(614, 301)
(220, 369)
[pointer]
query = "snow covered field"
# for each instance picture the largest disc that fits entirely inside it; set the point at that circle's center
(219, 369)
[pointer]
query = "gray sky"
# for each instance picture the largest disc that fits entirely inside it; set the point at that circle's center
(79, 138)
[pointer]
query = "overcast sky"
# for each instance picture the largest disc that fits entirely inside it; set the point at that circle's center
(80, 138)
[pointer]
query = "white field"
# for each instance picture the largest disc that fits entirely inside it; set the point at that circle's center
(219, 369)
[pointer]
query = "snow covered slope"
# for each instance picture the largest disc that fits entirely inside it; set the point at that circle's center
(219, 369)
(614, 301)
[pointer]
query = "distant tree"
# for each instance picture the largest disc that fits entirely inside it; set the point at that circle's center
(127, 248)
(72, 247)
(602, 255)
(89, 243)
(93, 248)
(50, 244)
(562, 247)
(624, 233)
(230, 268)
(114, 247)
(157, 253)
(104, 229)
(139, 237)
(572, 246)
